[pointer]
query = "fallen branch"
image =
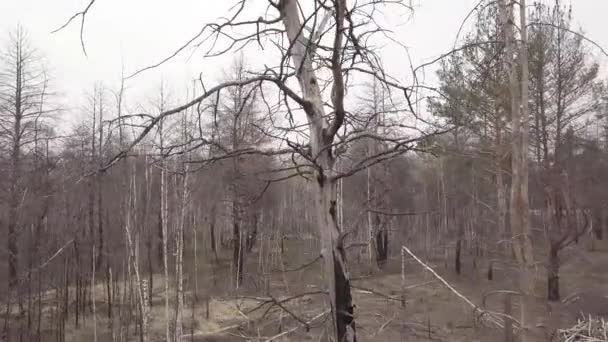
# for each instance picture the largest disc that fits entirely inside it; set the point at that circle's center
(586, 330)
(491, 319)
(374, 292)
(44, 264)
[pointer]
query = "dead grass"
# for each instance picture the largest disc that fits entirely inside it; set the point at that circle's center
(431, 311)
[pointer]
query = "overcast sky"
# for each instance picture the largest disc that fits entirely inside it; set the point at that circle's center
(137, 33)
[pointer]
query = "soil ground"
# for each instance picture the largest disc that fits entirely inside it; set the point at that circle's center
(431, 311)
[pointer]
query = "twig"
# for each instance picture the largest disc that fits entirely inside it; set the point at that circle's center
(82, 14)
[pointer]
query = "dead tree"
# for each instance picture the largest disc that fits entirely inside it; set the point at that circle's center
(22, 92)
(323, 38)
(564, 227)
(519, 202)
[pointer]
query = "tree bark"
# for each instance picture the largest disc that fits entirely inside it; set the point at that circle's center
(98, 180)
(519, 205)
(212, 238)
(381, 243)
(321, 139)
(457, 255)
(553, 275)
(252, 233)
(332, 250)
(598, 221)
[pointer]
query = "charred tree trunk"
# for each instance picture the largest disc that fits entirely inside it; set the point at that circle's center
(598, 224)
(334, 256)
(381, 247)
(458, 254)
(252, 235)
(212, 238)
(381, 239)
(457, 262)
(322, 134)
(490, 274)
(237, 253)
(553, 275)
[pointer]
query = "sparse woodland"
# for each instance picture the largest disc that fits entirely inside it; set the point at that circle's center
(318, 196)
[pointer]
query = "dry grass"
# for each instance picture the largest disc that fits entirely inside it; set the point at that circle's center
(432, 312)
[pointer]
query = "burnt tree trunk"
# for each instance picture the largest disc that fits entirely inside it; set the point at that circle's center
(381, 247)
(490, 273)
(322, 134)
(212, 239)
(381, 242)
(332, 250)
(598, 224)
(553, 275)
(252, 235)
(458, 254)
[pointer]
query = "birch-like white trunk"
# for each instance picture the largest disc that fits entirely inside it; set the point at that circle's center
(519, 206)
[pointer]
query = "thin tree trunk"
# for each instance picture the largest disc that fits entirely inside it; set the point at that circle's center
(457, 257)
(164, 223)
(179, 303)
(212, 238)
(370, 228)
(237, 247)
(93, 291)
(381, 243)
(98, 179)
(553, 275)
(501, 198)
(519, 208)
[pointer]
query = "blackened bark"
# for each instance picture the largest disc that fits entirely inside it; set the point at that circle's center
(212, 232)
(381, 247)
(237, 254)
(212, 236)
(457, 262)
(553, 275)
(457, 256)
(344, 301)
(491, 271)
(598, 224)
(252, 234)
(381, 243)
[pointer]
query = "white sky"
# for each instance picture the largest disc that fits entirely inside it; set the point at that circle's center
(140, 32)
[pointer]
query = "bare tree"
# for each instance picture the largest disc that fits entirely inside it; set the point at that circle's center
(23, 83)
(519, 202)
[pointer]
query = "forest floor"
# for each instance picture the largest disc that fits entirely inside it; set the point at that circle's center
(431, 312)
